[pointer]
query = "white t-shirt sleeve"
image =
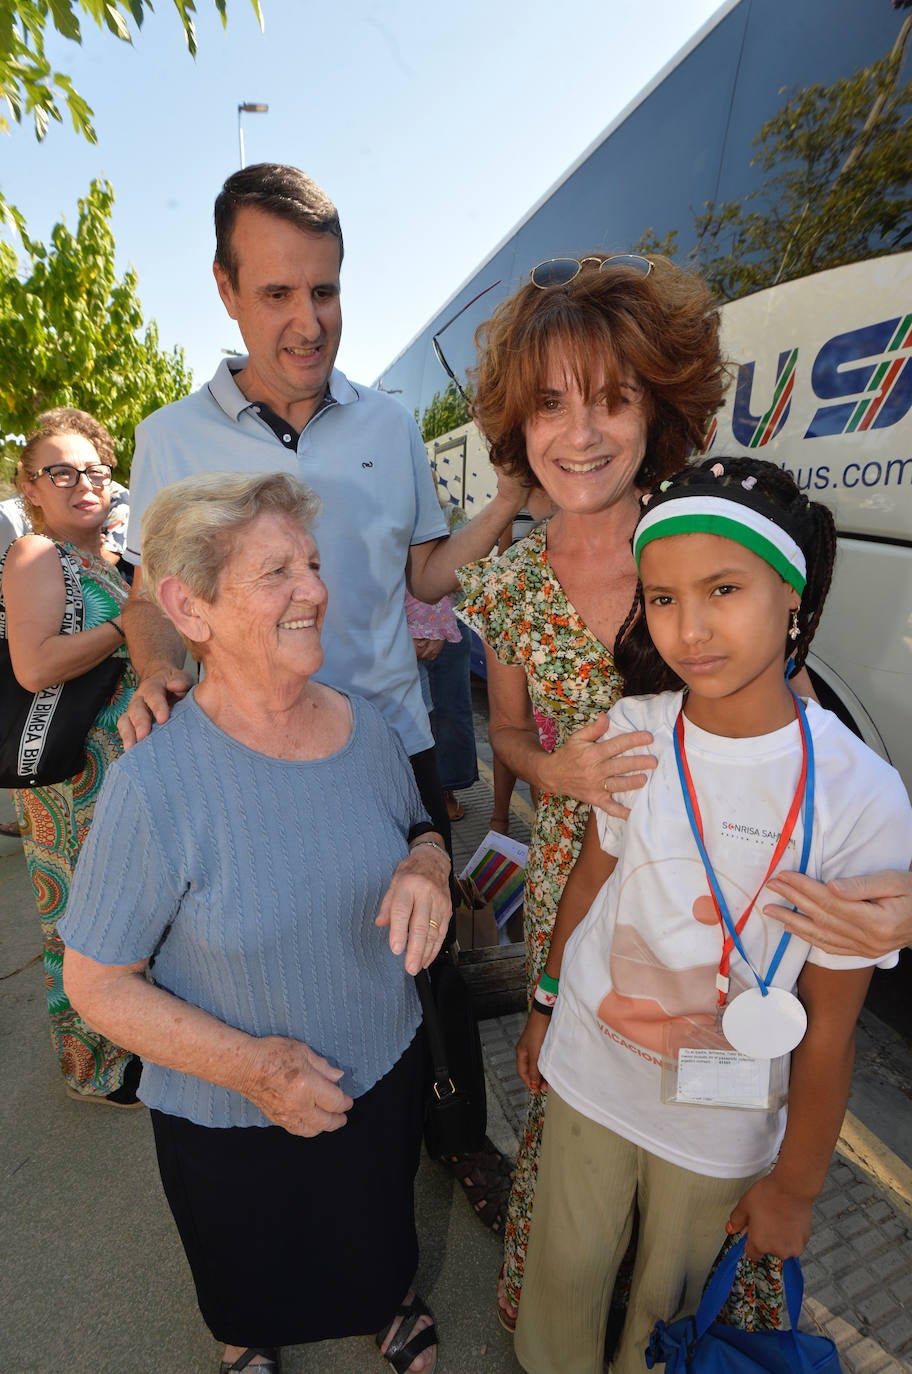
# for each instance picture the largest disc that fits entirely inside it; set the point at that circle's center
(632, 713)
(870, 830)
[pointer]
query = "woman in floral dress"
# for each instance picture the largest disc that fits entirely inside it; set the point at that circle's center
(594, 381)
(64, 479)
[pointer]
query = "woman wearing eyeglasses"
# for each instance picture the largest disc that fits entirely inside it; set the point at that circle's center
(594, 381)
(64, 478)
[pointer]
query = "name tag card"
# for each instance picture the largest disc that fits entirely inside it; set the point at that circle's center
(701, 1069)
(722, 1078)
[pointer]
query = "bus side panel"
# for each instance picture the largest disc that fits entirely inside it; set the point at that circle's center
(866, 636)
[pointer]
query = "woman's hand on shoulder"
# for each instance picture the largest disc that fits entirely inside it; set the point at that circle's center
(590, 769)
(777, 1221)
(295, 1087)
(528, 1048)
(416, 905)
(151, 703)
(866, 917)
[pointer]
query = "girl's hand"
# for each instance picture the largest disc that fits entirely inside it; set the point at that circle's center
(777, 1221)
(589, 768)
(528, 1048)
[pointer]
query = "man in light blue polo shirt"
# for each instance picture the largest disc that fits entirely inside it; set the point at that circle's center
(285, 406)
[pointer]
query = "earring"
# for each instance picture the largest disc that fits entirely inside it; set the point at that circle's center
(793, 628)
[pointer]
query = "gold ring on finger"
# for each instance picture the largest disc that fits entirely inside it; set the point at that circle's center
(435, 925)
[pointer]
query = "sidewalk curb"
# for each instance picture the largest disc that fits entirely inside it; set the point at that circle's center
(863, 1149)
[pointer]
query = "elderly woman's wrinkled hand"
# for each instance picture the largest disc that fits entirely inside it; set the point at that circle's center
(417, 906)
(590, 769)
(295, 1087)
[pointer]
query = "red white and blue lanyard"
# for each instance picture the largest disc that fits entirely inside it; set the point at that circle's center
(802, 801)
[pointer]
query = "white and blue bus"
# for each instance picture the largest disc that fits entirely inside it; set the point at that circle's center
(775, 155)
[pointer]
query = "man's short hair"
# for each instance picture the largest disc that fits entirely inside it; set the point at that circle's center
(277, 190)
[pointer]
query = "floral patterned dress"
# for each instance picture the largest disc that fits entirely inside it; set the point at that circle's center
(518, 606)
(55, 821)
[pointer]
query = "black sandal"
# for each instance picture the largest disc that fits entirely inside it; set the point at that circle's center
(243, 1361)
(486, 1177)
(401, 1351)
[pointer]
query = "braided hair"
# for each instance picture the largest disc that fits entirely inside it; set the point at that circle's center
(777, 495)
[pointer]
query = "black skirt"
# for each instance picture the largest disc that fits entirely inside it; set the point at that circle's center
(293, 1240)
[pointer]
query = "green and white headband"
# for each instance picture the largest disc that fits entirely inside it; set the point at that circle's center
(731, 519)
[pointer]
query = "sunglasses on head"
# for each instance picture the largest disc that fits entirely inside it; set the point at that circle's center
(562, 271)
(551, 272)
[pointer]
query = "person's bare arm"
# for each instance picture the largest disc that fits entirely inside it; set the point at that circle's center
(291, 1084)
(584, 766)
(591, 871)
(867, 917)
(776, 1211)
(431, 569)
(34, 594)
(157, 653)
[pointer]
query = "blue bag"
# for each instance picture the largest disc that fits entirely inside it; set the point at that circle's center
(701, 1345)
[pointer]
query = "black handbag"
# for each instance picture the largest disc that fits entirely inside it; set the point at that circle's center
(42, 734)
(456, 1108)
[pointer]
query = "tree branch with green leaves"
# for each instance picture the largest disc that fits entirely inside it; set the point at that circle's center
(28, 85)
(72, 334)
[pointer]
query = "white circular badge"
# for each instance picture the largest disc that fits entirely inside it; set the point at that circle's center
(764, 1027)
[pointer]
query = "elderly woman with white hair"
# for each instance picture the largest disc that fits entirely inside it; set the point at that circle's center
(260, 882)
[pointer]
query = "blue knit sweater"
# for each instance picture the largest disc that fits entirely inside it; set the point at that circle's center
(252, 884)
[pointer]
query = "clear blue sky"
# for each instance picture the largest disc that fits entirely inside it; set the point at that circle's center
(433, 127)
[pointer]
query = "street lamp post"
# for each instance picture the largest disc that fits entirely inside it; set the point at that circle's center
(247, 107)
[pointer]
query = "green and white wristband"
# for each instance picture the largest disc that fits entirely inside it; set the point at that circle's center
(544, 998)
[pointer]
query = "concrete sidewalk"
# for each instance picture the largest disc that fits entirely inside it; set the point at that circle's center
(93, 1276)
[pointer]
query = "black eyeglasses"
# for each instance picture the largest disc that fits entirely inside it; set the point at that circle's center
(562, 271)
(439, 351)
(64, 475)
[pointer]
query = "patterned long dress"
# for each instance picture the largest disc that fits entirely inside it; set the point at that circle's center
(518, 606)
(55, 821)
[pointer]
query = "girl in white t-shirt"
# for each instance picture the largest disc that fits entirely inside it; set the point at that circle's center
(680, 998)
